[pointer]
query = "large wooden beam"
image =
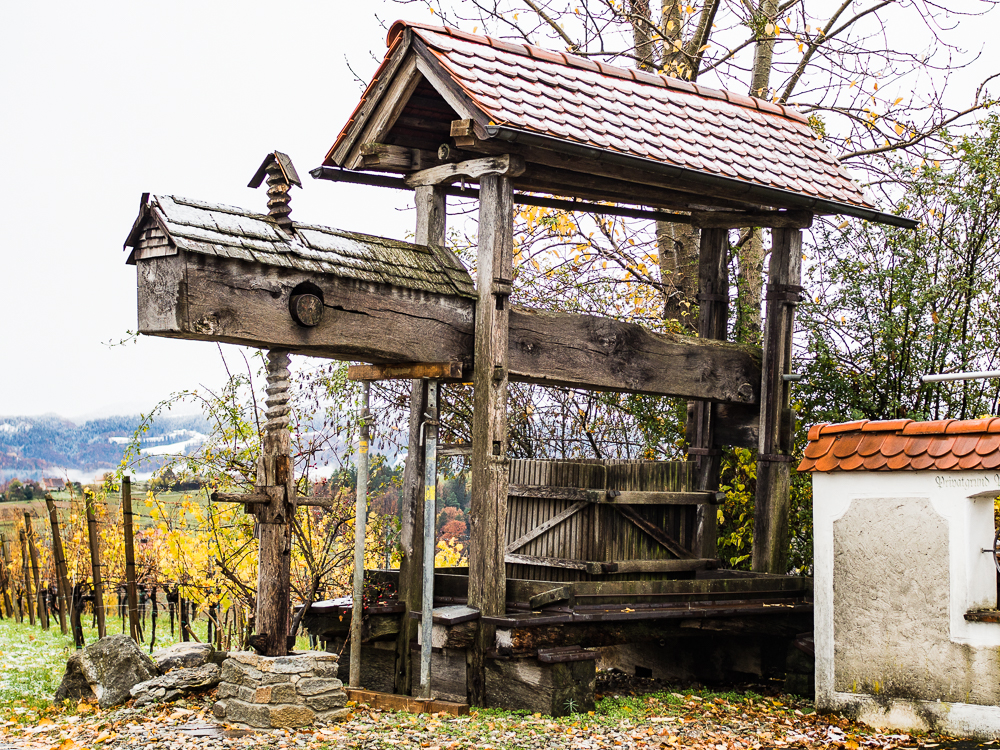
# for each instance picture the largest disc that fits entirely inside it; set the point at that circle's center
(490, 465)
(603, 354)
(207, 298)
(770, 542)
(713, 315)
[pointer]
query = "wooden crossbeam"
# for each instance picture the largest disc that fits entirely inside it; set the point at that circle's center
(617, 497)
(263, 499)
(507, 165)
(406, 371)
(736, 219)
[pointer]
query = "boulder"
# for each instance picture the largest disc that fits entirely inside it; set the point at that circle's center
(177, 684)
(183, 656)
(106, 670)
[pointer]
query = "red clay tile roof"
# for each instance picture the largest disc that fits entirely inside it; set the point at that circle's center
(904, 445)
(665, 119)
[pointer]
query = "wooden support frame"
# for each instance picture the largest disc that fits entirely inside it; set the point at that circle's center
(487, 574)
(770, 548)
(405, 371)
(713, 300)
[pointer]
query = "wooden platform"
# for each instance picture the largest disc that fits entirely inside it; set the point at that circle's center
(393, 702)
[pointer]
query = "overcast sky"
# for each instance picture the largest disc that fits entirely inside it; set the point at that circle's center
(104, 101)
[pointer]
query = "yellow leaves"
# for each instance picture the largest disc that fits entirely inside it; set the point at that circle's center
(843, 225)
(935, 317)
(897, 101)
(899, 128)
(770, 28)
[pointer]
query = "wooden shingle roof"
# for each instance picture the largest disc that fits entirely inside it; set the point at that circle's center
(904, 445)
(706, 141)
(168, 223)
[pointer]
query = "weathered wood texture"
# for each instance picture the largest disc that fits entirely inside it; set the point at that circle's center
(276, 479)
(59, 555)
(43, 611)
(448, 674)
(26, 573)
(207, 298)
(770, 548)
(713, 319)
(130, 584)
(93, 541)
(557, 689)
(435, 370)
(474, 169)
(490, 465)
(5, 579)
(735, 219)
(562, 525)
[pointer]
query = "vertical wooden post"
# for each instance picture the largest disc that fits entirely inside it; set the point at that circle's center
(8, 566)
(432, 219)
(360, 527)
(770, 547)
(130, 590)
(25, 569)
(275, 479)
(713, 317)
(494, 274)
(62, 575)
(152, 621)
(43, 611)
(95, 565)
(8, 586)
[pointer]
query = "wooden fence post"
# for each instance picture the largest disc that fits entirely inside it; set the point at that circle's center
(62, 576)
(9, 565)
(770, 543)
(133, 603)
(490, 465)
(43, 611)
(95, 566)
(25, 569)
(8, 586)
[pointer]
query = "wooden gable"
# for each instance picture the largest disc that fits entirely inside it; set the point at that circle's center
(589, 130)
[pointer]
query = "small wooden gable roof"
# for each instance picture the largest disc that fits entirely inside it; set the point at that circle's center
(711, 148)
(904, 445)
(168, 223)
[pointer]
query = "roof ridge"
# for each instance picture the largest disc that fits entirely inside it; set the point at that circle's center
(581, 63)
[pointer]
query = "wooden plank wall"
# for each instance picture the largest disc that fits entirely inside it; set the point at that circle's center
(596, 533)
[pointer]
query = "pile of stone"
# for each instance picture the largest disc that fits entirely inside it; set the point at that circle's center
(114, 669)
(265, 692)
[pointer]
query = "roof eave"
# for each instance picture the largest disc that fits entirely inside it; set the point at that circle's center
(753, 193)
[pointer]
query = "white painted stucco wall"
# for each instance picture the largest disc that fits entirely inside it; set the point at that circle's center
(898, 563)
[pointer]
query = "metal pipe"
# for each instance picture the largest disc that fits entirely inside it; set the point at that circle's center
(430, 499)
(751, 193)
(360, 525)
(942, 378)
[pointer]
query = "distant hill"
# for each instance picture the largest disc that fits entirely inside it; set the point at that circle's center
(50, 446)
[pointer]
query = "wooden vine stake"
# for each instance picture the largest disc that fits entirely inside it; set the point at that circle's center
(95, 565)
(5, 581)
(43, 611)
(131, 593)
(8, 566)
(62, 576)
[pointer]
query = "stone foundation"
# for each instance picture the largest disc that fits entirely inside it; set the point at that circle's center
(276, 692)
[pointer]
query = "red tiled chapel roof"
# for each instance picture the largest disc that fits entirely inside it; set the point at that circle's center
(904, 445)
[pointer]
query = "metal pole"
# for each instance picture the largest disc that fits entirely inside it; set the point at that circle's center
(430, 499)
(360, 524)
(959, 376)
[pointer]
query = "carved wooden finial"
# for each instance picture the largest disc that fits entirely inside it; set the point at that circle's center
(281, 175)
